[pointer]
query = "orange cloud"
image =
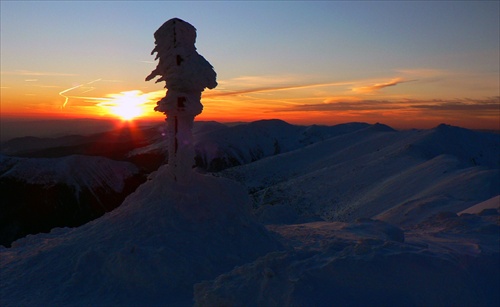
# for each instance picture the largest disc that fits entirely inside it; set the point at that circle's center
(379, 86)
(491, 104)
(217, 93)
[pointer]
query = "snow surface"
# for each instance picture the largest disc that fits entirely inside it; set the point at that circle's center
(75, 171)
(220, 146)
(363, 217)
(490, 204)
(368, 263)
(400, 177)
(150, 251)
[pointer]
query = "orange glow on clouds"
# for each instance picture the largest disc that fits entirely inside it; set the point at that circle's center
(394, 100)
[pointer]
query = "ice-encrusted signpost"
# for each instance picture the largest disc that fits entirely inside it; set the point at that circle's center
(186, 74)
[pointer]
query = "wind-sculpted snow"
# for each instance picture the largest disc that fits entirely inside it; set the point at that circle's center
(490, 204)
(150, 251)
(398, 176)
(367, 263)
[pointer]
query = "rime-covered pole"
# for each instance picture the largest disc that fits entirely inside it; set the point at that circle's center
(186, 74)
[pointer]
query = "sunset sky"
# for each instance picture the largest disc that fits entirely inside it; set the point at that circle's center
(407, 64)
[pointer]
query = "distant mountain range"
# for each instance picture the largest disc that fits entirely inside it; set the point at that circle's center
(39, 194)
(375, 172)
(273, 215)
(293, 173)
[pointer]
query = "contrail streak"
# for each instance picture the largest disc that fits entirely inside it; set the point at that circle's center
(66, 98)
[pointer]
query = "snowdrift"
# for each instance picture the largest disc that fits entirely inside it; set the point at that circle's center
(453, 262)
(150, 251)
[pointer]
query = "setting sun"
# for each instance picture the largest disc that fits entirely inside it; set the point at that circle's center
(126, 105)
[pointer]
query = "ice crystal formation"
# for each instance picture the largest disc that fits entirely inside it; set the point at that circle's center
(186, 74)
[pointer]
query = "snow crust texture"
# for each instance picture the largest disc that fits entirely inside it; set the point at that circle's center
(150, 251)
(366, 263)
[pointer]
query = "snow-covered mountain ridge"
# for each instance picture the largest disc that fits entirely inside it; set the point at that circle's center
(247, 143)
(75, 171)
(373, 170)
(219, 146)
(57, 176)
(150, 251)
(167, 238)
(368, 216)
(39, 194)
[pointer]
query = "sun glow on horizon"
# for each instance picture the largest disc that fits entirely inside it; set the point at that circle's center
(127, 105)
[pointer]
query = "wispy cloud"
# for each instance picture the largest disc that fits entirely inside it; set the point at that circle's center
(66, 97)
(379, 86)
(35, 73)
(111, 80)
(259, 84)
(261, 89)
(260, 80)
(79, 99)
(78, 91)
(347, 106)
(423, 72)
(490, 104)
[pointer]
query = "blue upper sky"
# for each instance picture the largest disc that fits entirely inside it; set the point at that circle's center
(432, 49)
